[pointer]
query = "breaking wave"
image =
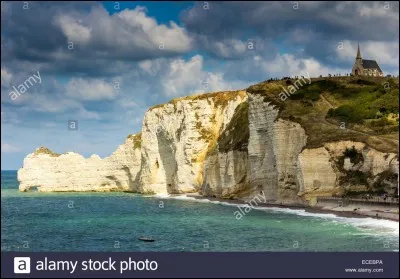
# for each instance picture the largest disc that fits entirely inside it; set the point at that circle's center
(368, 224)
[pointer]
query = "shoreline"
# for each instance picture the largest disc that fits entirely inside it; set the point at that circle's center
(346, 211)
(349, 211)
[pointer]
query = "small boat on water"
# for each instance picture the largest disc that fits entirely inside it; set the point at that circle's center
(146, 239)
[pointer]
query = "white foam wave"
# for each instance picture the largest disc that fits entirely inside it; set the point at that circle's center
(370, 224)
(189, 198)
(161, 196)
(378, 225)
(200, 200)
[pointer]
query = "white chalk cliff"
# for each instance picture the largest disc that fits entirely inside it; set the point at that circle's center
(51, 172)
(225, 144)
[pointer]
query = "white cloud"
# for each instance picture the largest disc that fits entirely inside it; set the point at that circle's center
(129, 104)
(173, 37)
(74, 30)
(288, 65)
(6, 77)
(42, 103)
(385, 53)
(183, 76)
(91, 89)
(151, 67)
(55, 104)
(8, 148)
(128, 33)
(85, 114)
(10, 116)
(227, 48)
(189, 77)
(383, 10)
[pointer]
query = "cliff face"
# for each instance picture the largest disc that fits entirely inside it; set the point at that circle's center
(266, 160)
(347, 166)
(274, 147)
(167, 157)
(176, 138)
(51, 172)
(227, 145)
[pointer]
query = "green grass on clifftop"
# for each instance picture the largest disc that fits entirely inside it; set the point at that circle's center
(340, 108)
(45, 150)
(137, 139)
(219, 98)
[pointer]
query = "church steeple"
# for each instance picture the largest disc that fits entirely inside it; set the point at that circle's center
(364, 67)
(358, 52)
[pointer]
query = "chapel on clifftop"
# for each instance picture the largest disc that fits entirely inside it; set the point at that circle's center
(364, 67)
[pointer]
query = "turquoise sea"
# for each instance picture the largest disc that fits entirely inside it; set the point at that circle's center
(113, 222)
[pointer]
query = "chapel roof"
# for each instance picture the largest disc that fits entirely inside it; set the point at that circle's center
(370, 64)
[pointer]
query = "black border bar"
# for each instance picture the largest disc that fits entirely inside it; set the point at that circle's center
(215, 264)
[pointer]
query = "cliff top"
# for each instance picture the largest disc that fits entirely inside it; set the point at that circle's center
(45, 150)
(220, 98)
(339, 108)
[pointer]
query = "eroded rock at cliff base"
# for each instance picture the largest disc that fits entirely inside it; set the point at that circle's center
(347, 167)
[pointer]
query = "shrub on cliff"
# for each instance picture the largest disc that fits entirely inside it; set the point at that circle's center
(370, 101)
(353, 154)
(44, 150)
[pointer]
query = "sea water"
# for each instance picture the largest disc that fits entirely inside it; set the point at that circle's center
(35, 221)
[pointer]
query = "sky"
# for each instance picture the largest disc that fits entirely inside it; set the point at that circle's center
(103, 64)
